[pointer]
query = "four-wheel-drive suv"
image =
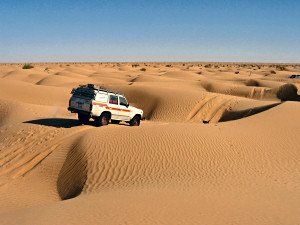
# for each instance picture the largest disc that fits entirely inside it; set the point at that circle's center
(92, 101)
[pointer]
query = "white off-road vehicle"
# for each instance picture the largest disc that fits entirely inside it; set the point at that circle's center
(92, 101)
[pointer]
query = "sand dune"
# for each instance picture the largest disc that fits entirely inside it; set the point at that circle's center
(219, 145)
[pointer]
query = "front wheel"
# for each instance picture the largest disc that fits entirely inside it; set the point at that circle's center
(103, 120)
(135, 121)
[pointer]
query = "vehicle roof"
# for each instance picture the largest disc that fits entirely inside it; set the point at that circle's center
(110, 92)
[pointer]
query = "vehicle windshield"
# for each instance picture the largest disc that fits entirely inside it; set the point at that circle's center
(123, 101)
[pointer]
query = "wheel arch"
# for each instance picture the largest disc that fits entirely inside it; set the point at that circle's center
(139, 115)
(106, 112)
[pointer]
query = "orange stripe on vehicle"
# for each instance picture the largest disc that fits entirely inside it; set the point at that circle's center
(113, 109)
(96, 103)
(126, 110)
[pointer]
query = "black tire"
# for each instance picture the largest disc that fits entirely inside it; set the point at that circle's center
(136, 120)
(103, 119)
(115, 121)
(84, 119)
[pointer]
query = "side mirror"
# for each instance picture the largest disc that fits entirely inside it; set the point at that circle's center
(127, 105)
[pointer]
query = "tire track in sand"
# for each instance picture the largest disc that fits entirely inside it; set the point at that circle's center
(210, 109)
(25, 157)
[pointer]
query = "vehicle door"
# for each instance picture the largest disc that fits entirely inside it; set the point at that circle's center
(113, 106)
(124, 111)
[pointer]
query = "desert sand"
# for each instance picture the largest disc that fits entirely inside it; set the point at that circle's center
(220, 145)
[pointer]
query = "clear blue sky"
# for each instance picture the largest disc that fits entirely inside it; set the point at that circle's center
(171, 30)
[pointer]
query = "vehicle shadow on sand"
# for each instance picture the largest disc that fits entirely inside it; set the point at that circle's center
(56, 122)
(64, 123)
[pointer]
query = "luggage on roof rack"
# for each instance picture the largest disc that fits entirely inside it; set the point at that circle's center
(83, 92)
(93, 87)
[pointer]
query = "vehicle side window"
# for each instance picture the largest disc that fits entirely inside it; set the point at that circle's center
(113, 99)
(123, 101)
(101, 98)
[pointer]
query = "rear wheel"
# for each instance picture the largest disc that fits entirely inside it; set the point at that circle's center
(135, 121)
(103, 119)
(84, 119)
(115, 121)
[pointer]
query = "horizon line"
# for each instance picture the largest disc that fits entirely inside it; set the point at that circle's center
(245, 62)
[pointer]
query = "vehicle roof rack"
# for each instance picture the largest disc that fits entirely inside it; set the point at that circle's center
(99, 88)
